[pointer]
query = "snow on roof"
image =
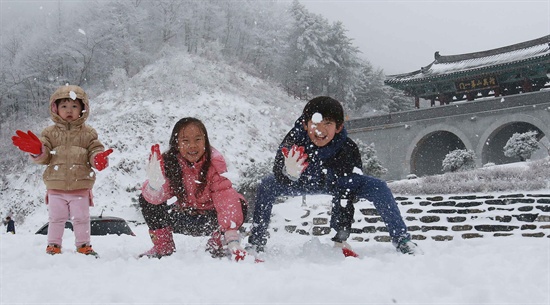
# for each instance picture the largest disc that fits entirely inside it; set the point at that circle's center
(445, 65)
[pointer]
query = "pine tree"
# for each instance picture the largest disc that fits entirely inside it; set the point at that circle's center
(522, 145)
(459, 160)
(371, 164)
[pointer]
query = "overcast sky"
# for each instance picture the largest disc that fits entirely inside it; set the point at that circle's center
(402, 36)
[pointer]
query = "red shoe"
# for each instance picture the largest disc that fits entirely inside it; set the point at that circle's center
(346, 249)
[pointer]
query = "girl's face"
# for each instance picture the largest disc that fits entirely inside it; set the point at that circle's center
(323, 132)
(191, 143)
(69, 109)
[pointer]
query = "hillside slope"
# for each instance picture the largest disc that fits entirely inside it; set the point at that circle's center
(246, 118)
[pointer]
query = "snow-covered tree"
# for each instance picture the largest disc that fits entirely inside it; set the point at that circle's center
(522, 145)
(371, 164)
(459, 160)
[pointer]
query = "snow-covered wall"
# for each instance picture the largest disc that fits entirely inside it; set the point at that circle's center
(440, 218)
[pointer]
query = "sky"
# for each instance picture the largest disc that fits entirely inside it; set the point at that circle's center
(402, 36)
(246, 118)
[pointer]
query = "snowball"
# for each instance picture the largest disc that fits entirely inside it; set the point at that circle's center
(72, 95)
(317, 117)
(357, 170)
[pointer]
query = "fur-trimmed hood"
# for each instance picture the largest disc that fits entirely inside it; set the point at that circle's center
(71, 92)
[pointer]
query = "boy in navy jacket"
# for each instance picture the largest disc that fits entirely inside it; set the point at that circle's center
(317, 157)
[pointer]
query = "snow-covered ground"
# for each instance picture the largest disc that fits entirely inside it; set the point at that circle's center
(246, 119)
(298, 270)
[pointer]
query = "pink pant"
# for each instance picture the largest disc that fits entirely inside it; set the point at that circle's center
(60, 207)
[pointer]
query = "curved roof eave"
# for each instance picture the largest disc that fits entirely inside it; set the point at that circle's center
(525, 51)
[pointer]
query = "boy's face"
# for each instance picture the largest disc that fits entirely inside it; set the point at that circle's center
(69, 109)
(191, 143)
(321, 133)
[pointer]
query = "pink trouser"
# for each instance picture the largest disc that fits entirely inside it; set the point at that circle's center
(60, 207)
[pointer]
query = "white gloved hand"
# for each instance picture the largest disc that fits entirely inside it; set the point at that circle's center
(233, 241)
(155, 168)
(295, 161)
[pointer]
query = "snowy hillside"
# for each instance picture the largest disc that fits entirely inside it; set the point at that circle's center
(246, 119)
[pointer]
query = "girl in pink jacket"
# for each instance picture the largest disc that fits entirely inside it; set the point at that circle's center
(206, 202)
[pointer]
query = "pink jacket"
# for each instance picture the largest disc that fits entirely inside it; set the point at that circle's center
(218, 194)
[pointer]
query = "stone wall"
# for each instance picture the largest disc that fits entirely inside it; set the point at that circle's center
(440, 218)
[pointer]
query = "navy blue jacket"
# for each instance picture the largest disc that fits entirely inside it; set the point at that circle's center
(330, 167)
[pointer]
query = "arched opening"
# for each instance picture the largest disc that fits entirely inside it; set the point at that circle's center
(493, 150)
(428, 155)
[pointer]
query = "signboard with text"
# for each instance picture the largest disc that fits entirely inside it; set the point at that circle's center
(477, 83)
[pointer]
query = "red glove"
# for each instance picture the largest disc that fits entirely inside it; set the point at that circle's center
(101, 161)
(237, 252)
(295, 161)
(27, 142)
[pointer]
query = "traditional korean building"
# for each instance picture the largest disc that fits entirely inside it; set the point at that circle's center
(522, 67)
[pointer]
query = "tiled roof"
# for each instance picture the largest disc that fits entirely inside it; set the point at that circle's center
(537, 49)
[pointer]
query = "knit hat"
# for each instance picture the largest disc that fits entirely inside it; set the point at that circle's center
(329, 108)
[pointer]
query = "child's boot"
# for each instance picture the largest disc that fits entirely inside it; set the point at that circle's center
(53, 249)
(214, 245)
(87, 250)
(163, 243)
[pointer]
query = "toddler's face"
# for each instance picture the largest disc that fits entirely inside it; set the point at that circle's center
(191, 143)
(69, 109)
(321, 133)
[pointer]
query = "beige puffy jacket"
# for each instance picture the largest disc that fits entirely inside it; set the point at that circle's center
(69, 148)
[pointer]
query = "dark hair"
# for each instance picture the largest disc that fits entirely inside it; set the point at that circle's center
(328, 107)
(172, 168)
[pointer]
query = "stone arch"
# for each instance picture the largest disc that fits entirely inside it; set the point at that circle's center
(449, 138)
(500, 131)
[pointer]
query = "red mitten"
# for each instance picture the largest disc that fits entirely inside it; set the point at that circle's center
(101, 161)
(27, 142)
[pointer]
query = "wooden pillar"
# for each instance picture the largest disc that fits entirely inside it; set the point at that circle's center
(444, 99)
(416, 102)
(497, 92)
(470, 96)
(432, 101)
(527, 86)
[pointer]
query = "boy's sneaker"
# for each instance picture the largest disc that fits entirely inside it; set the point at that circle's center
(87, 250)
(53, 249)
(406, 246)
(346, 249)
(256, 251)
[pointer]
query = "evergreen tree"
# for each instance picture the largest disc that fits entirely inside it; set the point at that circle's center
(459, 160)
(371, 164)
(522, 145)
